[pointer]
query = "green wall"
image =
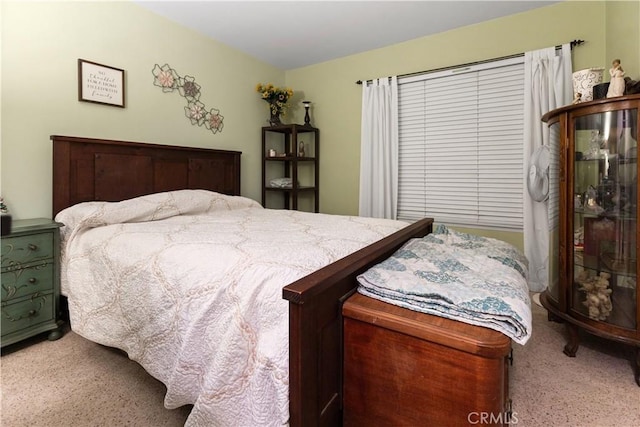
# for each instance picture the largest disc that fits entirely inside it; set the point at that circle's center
(623, 36)
(337, 99)
(41, 42)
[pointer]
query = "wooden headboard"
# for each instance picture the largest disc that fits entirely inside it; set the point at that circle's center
(88, 169)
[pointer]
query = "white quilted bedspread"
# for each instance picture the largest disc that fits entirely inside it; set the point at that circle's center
(189, 284)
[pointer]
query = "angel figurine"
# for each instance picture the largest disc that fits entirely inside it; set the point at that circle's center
(616, 86)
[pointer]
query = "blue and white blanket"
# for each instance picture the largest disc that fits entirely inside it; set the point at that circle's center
(460, 276)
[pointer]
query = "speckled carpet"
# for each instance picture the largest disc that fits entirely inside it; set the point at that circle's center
(73, 382)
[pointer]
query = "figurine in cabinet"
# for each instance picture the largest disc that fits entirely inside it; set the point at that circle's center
(617, 84)
(598, 294)
(591, 200)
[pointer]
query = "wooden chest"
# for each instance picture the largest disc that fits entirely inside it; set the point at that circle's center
(406, 368)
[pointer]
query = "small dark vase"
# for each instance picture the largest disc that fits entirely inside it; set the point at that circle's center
(274, 120)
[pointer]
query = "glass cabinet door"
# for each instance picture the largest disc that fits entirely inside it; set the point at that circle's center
(605, 188)
(554, 212)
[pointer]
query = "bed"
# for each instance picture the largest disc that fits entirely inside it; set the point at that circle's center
(89, 169)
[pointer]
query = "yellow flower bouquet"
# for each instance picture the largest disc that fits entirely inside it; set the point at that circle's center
(276, 98)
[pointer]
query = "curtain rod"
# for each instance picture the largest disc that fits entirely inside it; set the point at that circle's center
(573, 44)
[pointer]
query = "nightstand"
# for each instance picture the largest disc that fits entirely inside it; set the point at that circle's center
(30, 276)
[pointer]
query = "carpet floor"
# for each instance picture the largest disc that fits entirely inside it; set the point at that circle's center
(74, 382)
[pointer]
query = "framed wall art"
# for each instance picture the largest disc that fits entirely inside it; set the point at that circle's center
(100, 84)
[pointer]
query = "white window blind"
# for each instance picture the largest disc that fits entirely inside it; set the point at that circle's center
(461, 144)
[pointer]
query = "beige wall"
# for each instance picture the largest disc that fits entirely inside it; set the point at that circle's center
(336, 110)
(41, 43)
(623, 36)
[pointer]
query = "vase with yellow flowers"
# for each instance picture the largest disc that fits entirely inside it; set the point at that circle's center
(277, 99)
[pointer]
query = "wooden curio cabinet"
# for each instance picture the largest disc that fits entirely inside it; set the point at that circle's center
(594, 283)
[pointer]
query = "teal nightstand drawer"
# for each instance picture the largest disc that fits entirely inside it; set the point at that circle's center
(27, 313)
(19, 251)
(30, 280)
(21, 282)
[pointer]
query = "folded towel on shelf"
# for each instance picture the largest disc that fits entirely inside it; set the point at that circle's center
(281, 183)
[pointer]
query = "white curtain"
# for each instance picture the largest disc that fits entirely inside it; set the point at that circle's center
(379, 149)
(547, 86)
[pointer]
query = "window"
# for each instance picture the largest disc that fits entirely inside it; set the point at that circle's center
(461, 145)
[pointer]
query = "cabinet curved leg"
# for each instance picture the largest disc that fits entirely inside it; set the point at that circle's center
(571, 347)
(553, 318)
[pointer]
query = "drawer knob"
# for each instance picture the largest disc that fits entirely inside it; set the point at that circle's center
(32, 247)
(32, 313)
(33, 280)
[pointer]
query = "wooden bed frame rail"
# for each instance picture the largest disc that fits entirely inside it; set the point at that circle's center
(315, 329)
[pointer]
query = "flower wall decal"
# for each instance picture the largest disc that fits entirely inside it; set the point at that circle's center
(189, 89)
(196, 112)
(213, 120)
(167, 78)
